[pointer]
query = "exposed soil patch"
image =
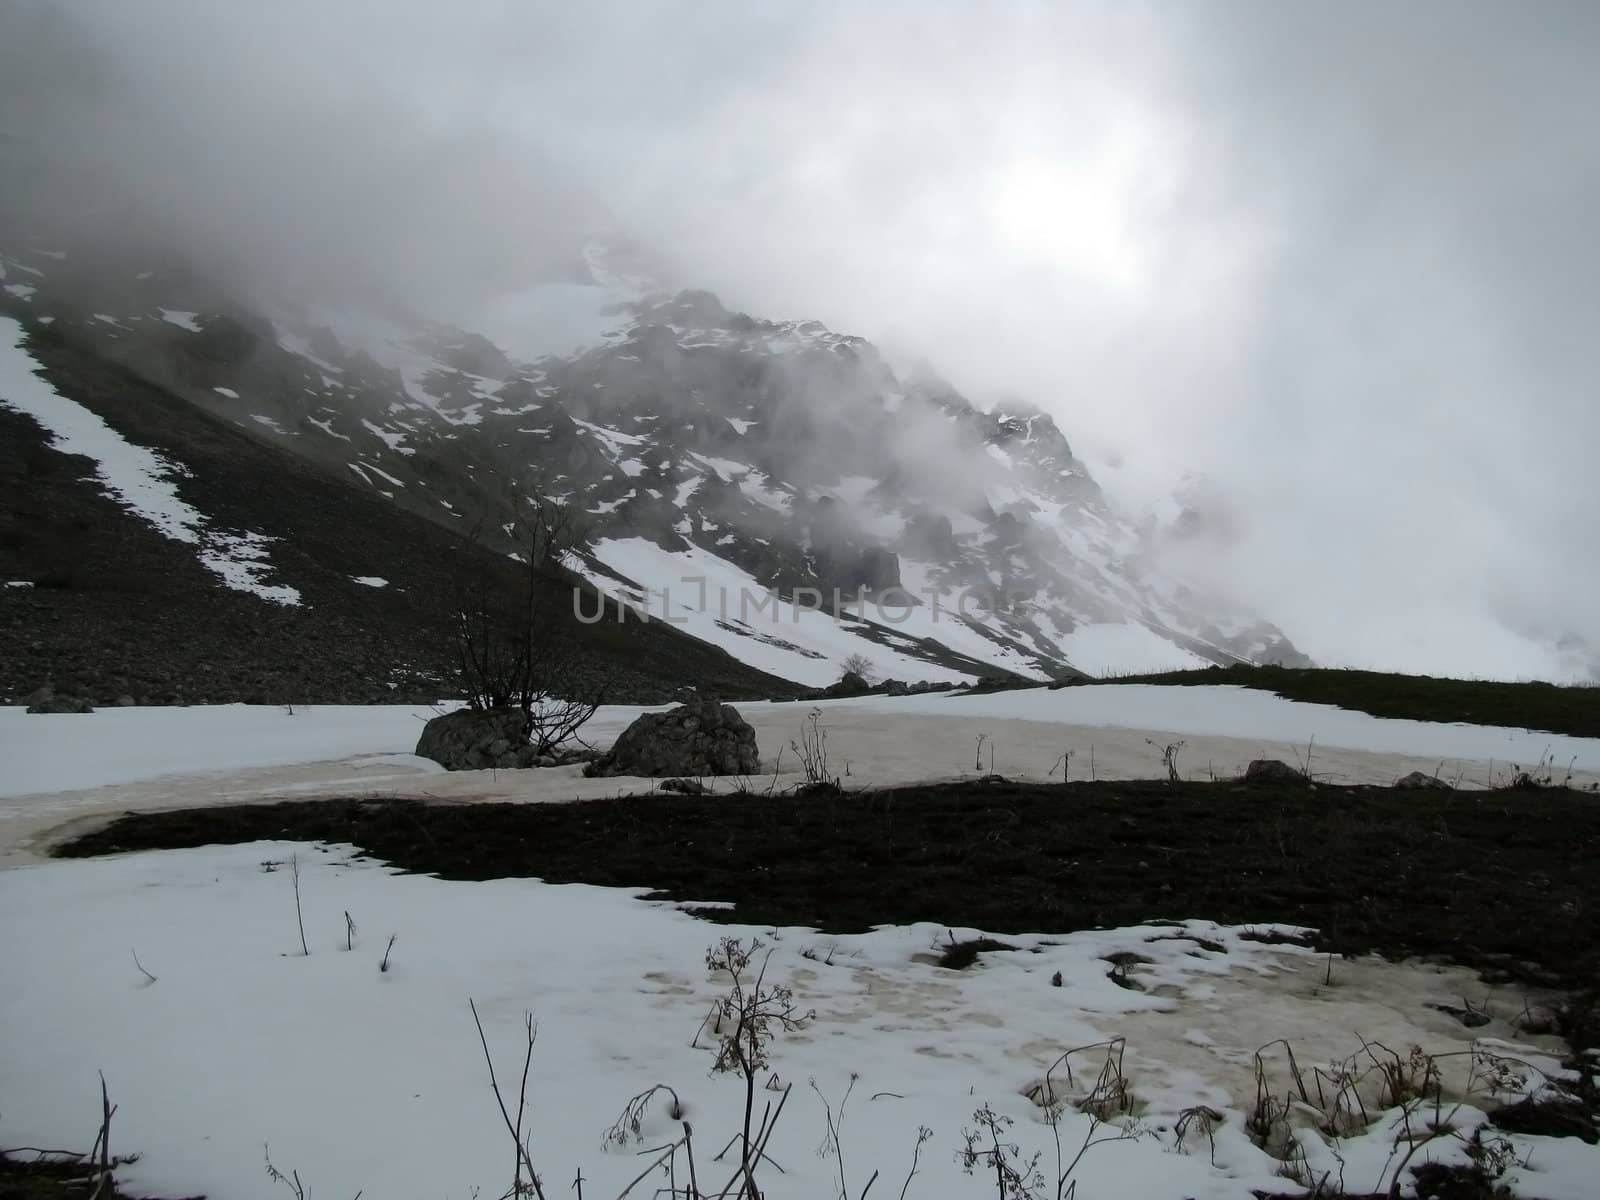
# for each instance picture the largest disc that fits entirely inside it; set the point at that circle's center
(1564, 1117)
(1501, 881)
(959, 955)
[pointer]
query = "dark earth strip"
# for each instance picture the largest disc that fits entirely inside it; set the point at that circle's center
(1573, 710)
(1503, 882)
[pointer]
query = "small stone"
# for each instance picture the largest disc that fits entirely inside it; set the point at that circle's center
(687, 787)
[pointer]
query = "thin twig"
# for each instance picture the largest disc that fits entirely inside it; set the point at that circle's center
(294, 867)
(494, 1082)
(103, 1188)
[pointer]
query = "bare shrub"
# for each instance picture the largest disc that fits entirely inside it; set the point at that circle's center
(1169, 757)
(858, 664)
(289, 1179)
(515, 648)
(629, 1126)
(812, 750)
(748, 1016)
(989, 1148)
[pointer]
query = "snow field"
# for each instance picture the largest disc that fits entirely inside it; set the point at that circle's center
(361, 1079)
(57, 780)
(367, 1080)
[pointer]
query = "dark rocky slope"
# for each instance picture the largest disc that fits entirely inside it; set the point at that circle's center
(115, 609)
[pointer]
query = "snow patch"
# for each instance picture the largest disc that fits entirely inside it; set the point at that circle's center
(1130, 648)
(317, 1033)
(182, 319)
(391, 439)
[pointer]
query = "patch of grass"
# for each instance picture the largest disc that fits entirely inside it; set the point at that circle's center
(1499, 880)
(1543, 706)
(958, 956)
(30, 1176)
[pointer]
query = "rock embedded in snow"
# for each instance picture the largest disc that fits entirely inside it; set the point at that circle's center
(1273, 770)
(46, 701)
(702, 738)
(472, 740)
(468, 740)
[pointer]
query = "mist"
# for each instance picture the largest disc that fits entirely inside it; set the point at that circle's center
(1334, 268)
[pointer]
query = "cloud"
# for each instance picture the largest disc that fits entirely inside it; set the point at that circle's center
(1339, 261)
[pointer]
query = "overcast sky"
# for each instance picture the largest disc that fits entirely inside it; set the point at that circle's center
(1340, 260)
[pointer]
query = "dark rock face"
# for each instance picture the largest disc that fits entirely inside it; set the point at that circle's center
(849, 569)
(700, 738)
(473, 741)
(878, 569)
(1273, 770)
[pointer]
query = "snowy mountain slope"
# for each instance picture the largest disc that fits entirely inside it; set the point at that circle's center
(141, 481)
(148, 551)
(796, 500)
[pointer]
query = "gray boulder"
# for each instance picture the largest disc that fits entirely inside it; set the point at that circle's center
(468, 740)
(45, 700)
(700, 738)
(1273, 770)
(1418, 780)
(850, 684)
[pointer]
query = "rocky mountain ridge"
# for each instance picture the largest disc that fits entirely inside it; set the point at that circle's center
(773, 488)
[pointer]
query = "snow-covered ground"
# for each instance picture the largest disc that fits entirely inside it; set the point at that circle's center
(362, 1079)
(374, 1081)
(1229, 711)
(64, 770)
